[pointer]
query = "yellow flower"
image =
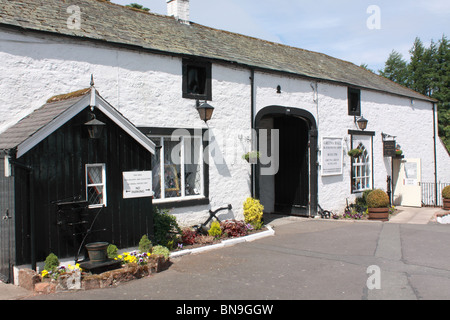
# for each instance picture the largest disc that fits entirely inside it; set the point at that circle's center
(44, 273)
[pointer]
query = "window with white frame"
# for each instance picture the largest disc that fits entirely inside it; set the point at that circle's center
(96, 185)
(361, 170)
(178, 168)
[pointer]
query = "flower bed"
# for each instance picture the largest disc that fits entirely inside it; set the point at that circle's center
(74, 278)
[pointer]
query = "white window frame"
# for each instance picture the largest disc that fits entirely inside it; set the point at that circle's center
(364, 163)
(103, 184)
(183, 196)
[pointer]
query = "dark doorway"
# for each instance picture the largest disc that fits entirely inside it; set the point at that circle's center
(294, 189)
(292, 179)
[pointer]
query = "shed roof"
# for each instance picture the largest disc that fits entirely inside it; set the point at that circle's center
(38, 125)
(112, 23)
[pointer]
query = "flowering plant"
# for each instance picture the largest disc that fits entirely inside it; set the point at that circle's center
(56, 272)
(134, 257)
(253, 212)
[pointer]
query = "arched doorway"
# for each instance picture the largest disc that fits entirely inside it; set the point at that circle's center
(292, 190)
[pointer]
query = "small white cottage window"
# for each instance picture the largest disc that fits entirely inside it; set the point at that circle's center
(96, 185)
(361, 171)
(178, 169)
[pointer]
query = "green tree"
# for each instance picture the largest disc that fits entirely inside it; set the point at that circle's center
(395, 68)
(428, 72)
(137, 6)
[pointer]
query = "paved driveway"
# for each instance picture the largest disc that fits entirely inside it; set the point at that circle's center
(307, 259)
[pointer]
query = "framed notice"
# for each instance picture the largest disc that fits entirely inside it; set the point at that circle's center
(332, 156)
(137, 184)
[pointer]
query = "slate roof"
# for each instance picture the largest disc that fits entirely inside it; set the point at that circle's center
(35, 127)
(35, 121)
(112, 23)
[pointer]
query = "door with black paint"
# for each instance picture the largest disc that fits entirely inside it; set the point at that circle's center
(292, 179)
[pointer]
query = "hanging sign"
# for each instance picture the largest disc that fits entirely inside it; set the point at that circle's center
(389, 148)
(332, 159)
(137, 184)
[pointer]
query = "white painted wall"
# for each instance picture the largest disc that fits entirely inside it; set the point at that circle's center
(147, 89)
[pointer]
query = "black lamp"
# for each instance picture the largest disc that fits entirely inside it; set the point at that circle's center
(362, 123)
(205, 111)
(95, 127)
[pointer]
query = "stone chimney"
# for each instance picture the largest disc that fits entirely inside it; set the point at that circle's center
(179, 9)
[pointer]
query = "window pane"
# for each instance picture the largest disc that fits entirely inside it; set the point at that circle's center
(95, 195)
(193, 167)
(94, 175)
(196, 77)
(156, 169)
(172, 168)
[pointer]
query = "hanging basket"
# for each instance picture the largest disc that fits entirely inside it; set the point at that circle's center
(355, 153)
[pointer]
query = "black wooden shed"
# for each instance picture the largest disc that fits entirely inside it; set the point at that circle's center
(57, 182)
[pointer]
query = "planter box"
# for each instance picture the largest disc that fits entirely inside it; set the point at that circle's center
(446, 204)
(379, 214)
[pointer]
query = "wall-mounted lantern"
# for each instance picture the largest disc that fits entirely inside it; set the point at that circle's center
(362, 123)
(95, 127)
(205, 111)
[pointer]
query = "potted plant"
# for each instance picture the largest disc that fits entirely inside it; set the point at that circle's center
(446, 197)
(355, 153)
(251, 156)
(378, 205)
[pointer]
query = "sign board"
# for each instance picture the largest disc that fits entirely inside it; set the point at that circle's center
(332, 156)
(410, 174)
(137, 184)
(389, 148)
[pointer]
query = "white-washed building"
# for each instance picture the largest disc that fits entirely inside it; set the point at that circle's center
(157, 69)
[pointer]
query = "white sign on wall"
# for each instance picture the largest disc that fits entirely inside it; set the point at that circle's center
(137, 184)
(332, 158)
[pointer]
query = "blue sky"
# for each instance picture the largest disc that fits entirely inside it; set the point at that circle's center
(336, 28)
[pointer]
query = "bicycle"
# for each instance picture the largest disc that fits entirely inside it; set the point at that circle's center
(324, 214)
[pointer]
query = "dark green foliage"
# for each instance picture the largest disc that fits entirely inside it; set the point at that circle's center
(112, 251)
(137, 6)
(51, 262)
(428, 72)
(166, 227)
(145, 245)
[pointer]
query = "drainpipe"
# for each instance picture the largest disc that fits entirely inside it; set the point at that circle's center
(435, 154)
(29, 169)
(252, 122)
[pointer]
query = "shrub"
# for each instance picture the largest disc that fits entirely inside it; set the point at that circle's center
(378, 199)
(253, 211)
(51, 262)
(112, 251)
(145, 245)
(161, 250)
(188, 236)
(234, 228)
(362, 201)
(166, 227)
(215, 230)
(446, 192)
